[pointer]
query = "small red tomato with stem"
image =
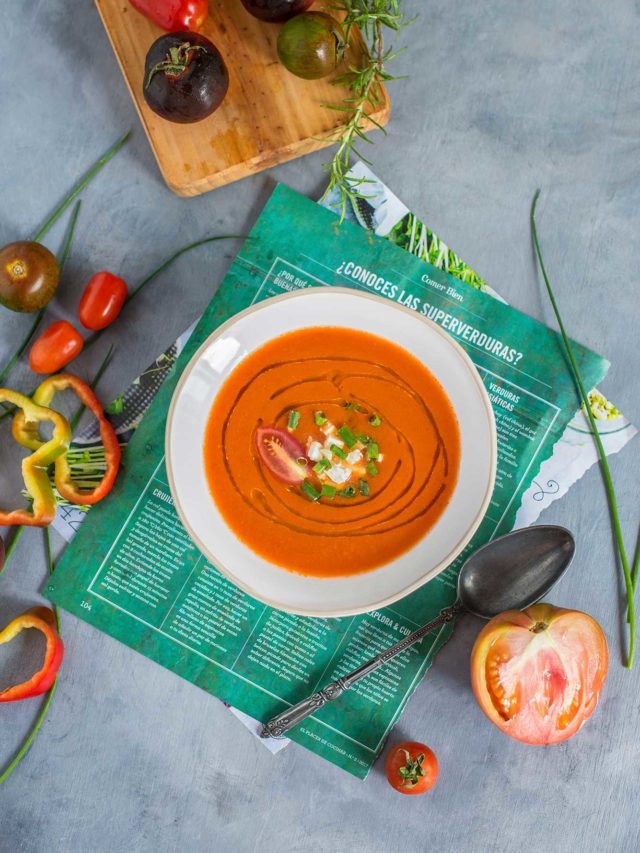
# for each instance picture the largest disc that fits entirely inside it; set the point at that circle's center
(102, 300)
(59, 344)
(282, 454)
(411, 767)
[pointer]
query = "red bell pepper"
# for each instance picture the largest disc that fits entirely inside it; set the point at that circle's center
(174, 15)
(26, 433)
(43, 620)
(34, 467)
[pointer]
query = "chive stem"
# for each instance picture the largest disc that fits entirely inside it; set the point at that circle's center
(73, 423)
(604, 465)
(35, 728)
(90, 175)
(17, 535)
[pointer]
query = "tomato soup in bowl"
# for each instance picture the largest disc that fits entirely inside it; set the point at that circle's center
(330, 451)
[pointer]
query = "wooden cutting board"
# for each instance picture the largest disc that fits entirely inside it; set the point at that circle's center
(269, 116)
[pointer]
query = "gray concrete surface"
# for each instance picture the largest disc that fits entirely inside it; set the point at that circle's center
(503, 97)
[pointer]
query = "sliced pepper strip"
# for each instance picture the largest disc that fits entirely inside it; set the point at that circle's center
(26, 432)
(34, 467)
(43, 620)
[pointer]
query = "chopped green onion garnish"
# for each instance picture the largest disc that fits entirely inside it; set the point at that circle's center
(364, 487)
(348, 404)
(372, 450)
(328, 491)
(348, 492)
(319, 418)
(374, 420)
(321, 466)
(338, 451)
(294, 420)
(309, 490)
(364, 439)
(372, 470)
(347, 436)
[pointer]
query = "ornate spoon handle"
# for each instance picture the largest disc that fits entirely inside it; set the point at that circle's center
(281, 723)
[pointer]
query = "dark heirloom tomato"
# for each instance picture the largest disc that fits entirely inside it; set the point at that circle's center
(276, 11)
(185, 78)
(310, 45)
(55, 347)
(411, 768)
(102, 300)
(282, 454)
(29, 275)
(537, 674)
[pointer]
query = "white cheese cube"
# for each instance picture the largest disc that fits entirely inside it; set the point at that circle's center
(315, 451)
(334, 439)
(354, 457)
(338, 475)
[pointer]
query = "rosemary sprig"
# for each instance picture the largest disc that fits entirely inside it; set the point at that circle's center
(371, 17)
(63, 259)
(627, 572)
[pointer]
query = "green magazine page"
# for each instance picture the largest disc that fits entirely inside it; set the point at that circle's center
(132, 571)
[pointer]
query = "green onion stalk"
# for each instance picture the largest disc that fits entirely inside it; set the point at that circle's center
(35, 728)
(629, 574)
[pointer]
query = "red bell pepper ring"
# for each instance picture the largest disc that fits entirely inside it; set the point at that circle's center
(43, 620)
(26, 432)
(34, 467)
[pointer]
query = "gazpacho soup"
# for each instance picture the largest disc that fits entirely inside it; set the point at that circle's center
(330, 451)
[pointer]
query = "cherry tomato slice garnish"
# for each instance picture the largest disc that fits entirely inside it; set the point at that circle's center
(538, 674)
(59, 344)
(282, 454)
(102, 300)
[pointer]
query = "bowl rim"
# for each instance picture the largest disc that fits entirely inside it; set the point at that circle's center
(415, 585)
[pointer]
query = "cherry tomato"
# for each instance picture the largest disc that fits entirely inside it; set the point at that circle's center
(29, 276)
(282, 454)
(102, 300)
(537, 674)
(55, 347)
(411, 768)
(309, 45)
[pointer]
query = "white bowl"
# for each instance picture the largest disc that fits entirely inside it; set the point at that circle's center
(329, 306)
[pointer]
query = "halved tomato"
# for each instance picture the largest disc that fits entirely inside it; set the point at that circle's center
(283, 454)
(537, 674)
